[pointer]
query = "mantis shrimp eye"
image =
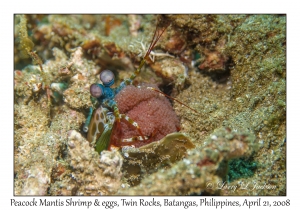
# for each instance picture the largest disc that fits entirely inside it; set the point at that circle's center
(96, 90)
(107, 77)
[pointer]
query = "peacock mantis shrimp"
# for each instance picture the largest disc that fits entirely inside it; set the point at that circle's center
(101, 122)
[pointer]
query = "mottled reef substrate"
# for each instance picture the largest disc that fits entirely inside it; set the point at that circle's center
(230, 68)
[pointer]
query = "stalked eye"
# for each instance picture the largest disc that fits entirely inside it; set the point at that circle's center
(96, 90)
(107, 77)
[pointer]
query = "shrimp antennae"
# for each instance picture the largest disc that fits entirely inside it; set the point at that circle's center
(151, 88)
(157, 34)
(155, 38)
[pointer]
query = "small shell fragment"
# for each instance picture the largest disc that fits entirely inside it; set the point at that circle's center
(151, 157)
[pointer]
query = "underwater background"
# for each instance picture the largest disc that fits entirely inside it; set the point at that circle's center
(230, 70)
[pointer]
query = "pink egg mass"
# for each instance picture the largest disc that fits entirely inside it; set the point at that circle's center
(150, 110)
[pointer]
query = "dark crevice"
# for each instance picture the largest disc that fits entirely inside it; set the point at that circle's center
(220, 76)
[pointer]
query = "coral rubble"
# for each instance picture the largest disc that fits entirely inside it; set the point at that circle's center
(94, 174)
(202, 165)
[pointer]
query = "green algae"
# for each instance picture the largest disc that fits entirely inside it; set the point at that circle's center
(241, 168)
